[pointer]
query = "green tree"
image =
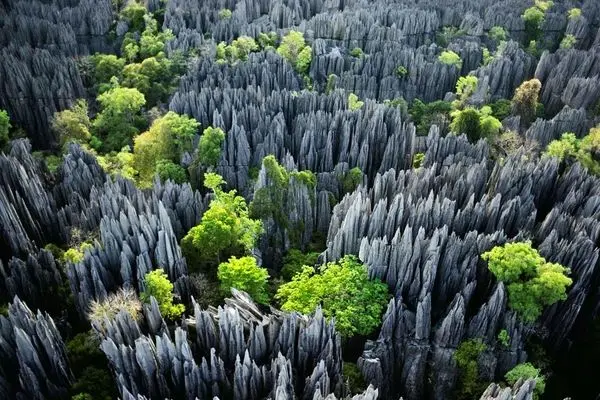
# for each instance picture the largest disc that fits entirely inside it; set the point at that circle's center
(167, 139)
(504, 338)
(465, 88)
(294, 260)
(243, 274)
(501, 108)
(418, 160)
(152, 41)
(568, 41)
(527, 371)
(401, 71)
(225, 229)
(449, 57)
(574, 13)
(352, 179)
(525, 100)
(532, 282)
(209, 147)
(466, 357)
(4, 127)
(119, 164)
(106, 66)
(295, 50)
(225, 13)
(498, 34)
(354, 103)
(116, 123)
(73, 125)
(356, 52)
(476, 124)
(425, 115)
(134, 14)
(565, 147)
(158, 285)
(344, 291)
(244, 45)
(167, 169)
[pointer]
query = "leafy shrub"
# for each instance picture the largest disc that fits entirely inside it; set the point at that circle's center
(532, 282)
(343, 290)
(504, 338)
(168, 170)
(267, 40)
(449, 57)
(466, 357)
(574, 13)
(565, 147)
(353, 377)
(225, 229)
(527, 371)
(352, 179)
(354, 103)
(534, 18)
(295, 50)
(465, 88)
(4, 127)
(525, 100)
(425, 115)
(72, 125)
(73, 256)
(116, 123)
(418, 159)
(568, 41)
(105, 66)
(294, 260)
(157, 285)
(134, 14)
(243, 274)
(330, 86)
(498, 34)
(209, 147)
(501, 108)
(476, 124)
(122, 300)
(401, 71)
(356, 52)
(225, 13)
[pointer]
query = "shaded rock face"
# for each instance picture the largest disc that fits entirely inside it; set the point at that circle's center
(33, 360)
(38, 74)
(234, 350)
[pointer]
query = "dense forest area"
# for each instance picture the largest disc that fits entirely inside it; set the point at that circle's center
(299, 199)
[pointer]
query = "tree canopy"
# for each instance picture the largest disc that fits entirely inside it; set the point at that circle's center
(116, 122)
(527, 371)
(343, 290)
(158, 285)
(243, 274)
(225, 229)
(532, 282)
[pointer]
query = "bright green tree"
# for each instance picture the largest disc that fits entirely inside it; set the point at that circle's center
(225, 13)
(243, 274)
(568, 41)
(465, 88)
(565, 147)
(158, 285)
(449, 57)
(225, 229)
(574, 13)
(152, 40)
(119, 164)
(73, 125)
(209, 147)
(116, 123)
(532, 282)
(294, 49)
(344, 291)
(527, 371)
(294, 260)
(4, 127)
(354, 103)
